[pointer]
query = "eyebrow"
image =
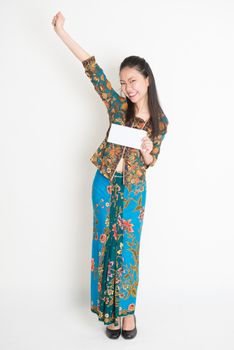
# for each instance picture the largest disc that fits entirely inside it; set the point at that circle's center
(128, 78)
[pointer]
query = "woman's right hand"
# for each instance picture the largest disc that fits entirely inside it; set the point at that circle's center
(58, 21)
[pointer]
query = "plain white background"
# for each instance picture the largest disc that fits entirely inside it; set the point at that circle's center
(52, 121)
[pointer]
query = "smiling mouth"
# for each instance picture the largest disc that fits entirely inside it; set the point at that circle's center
(131, 96)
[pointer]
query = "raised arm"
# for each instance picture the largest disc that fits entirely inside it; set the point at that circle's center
(102, 85)
(96, 74)
(76, 49)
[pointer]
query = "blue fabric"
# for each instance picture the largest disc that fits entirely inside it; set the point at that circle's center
(117, 224)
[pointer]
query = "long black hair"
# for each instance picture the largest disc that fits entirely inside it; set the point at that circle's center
(155, 109)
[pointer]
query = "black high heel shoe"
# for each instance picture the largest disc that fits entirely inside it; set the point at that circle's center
(130, 333)
(113, 333)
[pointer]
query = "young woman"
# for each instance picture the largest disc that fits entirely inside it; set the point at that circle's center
(119, 186)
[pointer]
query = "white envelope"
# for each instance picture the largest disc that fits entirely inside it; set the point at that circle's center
(126, 135)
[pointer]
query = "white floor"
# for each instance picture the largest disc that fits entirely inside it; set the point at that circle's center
(191, 323)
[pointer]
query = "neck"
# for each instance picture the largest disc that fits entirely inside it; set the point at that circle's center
(141, 107)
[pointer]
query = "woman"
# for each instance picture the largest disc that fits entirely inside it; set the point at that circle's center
(119, 186)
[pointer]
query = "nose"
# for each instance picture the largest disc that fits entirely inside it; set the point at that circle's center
(129, 91)
(127, 87)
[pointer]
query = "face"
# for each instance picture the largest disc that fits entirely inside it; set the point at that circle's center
(133, 84)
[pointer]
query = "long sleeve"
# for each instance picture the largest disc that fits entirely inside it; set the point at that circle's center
(100, 82)
(163, 124)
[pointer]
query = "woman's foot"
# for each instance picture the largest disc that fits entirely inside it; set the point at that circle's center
(112, 326)
(113, 331)
(128, 322)
(129, 329)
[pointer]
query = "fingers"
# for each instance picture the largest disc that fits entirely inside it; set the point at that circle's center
(147, 144)
(55, 18)
(145, 147)
(146, 140)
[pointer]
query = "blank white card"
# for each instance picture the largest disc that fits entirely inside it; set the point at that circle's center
(126, 135)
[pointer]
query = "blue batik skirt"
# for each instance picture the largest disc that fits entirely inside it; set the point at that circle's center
(117, 224)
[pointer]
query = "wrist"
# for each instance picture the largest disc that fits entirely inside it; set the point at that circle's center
(59, 30)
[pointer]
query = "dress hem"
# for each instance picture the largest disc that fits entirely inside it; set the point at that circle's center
(106, 323)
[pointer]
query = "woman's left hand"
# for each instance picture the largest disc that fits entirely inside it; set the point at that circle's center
(147, 145)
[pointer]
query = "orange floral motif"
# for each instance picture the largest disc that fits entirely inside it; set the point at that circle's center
(139, 172)
(115, 231)
(92, 264)
(137, 180)
(128, 226)
(131, 307)
(103, 238)
(124, 106)
(112, 152)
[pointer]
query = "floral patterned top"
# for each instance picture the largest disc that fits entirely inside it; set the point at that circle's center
(108, 155)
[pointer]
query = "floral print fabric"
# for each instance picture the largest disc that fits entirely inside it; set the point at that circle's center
(107, 155)
(117, 224)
